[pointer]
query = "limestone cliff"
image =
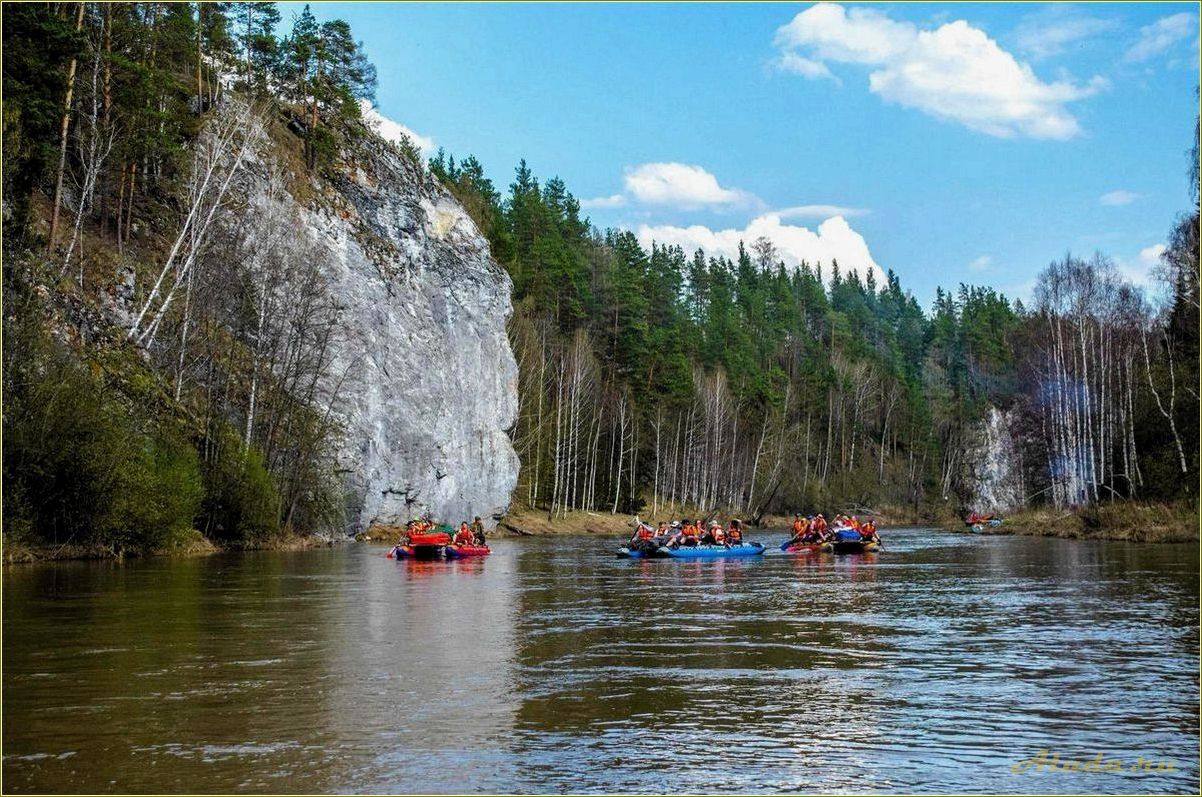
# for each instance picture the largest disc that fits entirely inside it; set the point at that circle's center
(426, 380)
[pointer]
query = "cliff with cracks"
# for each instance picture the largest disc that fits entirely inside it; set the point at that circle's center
(263, 341)
(428, 382)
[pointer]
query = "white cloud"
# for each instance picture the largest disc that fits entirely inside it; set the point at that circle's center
(1120, 197)
(834, 239)
(818, 212)
(1142, 269)
(612, 201)
(680, 185)
(954, 72)
(1051, 31)
(1161, 35)
(797, 65)
(391, 130)
(982, 263)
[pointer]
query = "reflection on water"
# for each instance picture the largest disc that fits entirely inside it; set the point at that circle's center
(553, 666)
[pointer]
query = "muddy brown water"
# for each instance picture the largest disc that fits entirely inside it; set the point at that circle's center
(941, 665)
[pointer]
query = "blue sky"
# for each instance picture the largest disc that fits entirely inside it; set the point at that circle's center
(948, 142)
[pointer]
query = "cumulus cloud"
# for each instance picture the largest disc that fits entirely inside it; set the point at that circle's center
(680, 185)
(612, 201)
(797, 65)
(391, 130)
(1051, 31)
(982, 263)
(954, 72)
(1142, 270)
(833, 240)
(1120, 197)
(1161, 35)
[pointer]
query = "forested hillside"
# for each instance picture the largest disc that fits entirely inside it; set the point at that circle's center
(163, 345)
(162, 363)
(661, 379)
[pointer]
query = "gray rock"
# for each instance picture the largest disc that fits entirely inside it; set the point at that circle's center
(427, 379)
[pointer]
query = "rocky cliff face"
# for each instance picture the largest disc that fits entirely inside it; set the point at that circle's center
(426, 380)
(994, 478)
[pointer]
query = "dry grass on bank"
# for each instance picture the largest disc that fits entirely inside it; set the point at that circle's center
(526, 522)
(1130, 521)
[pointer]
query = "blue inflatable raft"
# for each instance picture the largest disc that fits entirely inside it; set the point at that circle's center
(710, 551)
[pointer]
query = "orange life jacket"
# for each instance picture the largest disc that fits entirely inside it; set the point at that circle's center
(799, 526)
(689, 530)
(464, 536)
(735, 535)
(645, 533)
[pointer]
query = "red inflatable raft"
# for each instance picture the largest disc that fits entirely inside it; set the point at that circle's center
(463, 551)
(422, 546)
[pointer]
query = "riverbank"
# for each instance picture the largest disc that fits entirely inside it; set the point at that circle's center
(17, 552)
(526, 522)
(1132, 522)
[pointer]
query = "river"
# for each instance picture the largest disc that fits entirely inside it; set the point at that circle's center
(940, 665)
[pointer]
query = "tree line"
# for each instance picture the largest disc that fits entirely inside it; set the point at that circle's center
(658, 380)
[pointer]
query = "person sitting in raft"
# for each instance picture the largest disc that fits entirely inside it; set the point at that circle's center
(689, 533)
(976, 518)
(868, 531)
(854, 522)
(642, 533)
(801, 528)
(464, 536)
(478, 531)
(718, 533)
(734, 535)
(819, 527)
(709, 535)
(663, 530)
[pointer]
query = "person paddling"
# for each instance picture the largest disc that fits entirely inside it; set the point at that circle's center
(801, 527)
(734, 535)
(478, 531)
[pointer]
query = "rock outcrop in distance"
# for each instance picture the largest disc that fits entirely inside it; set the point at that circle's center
(424, 381)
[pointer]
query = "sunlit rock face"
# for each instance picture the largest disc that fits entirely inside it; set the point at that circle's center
(426, 382)
(995, 478)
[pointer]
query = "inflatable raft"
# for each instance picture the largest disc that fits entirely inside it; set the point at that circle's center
(710, 551)
(465, 551)
(850, 541)
(806, 547)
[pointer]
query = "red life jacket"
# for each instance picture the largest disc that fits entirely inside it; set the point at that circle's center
(645, 533)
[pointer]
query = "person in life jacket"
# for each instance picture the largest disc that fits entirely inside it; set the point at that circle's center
(707, 534)
(819, 526)
(719, 533)
(854, 522)
(464, 536)
(478, 531)
(663, 530)
(734, 535)
(690, 533)
(642, 533)
(800, 527)
(868, 531)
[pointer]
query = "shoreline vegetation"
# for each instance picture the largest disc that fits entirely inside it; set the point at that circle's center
(17, 552)
(166, 371)
(1121, 522)
(1142, 522)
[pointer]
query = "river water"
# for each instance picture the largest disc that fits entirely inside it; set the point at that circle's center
(939, 665)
